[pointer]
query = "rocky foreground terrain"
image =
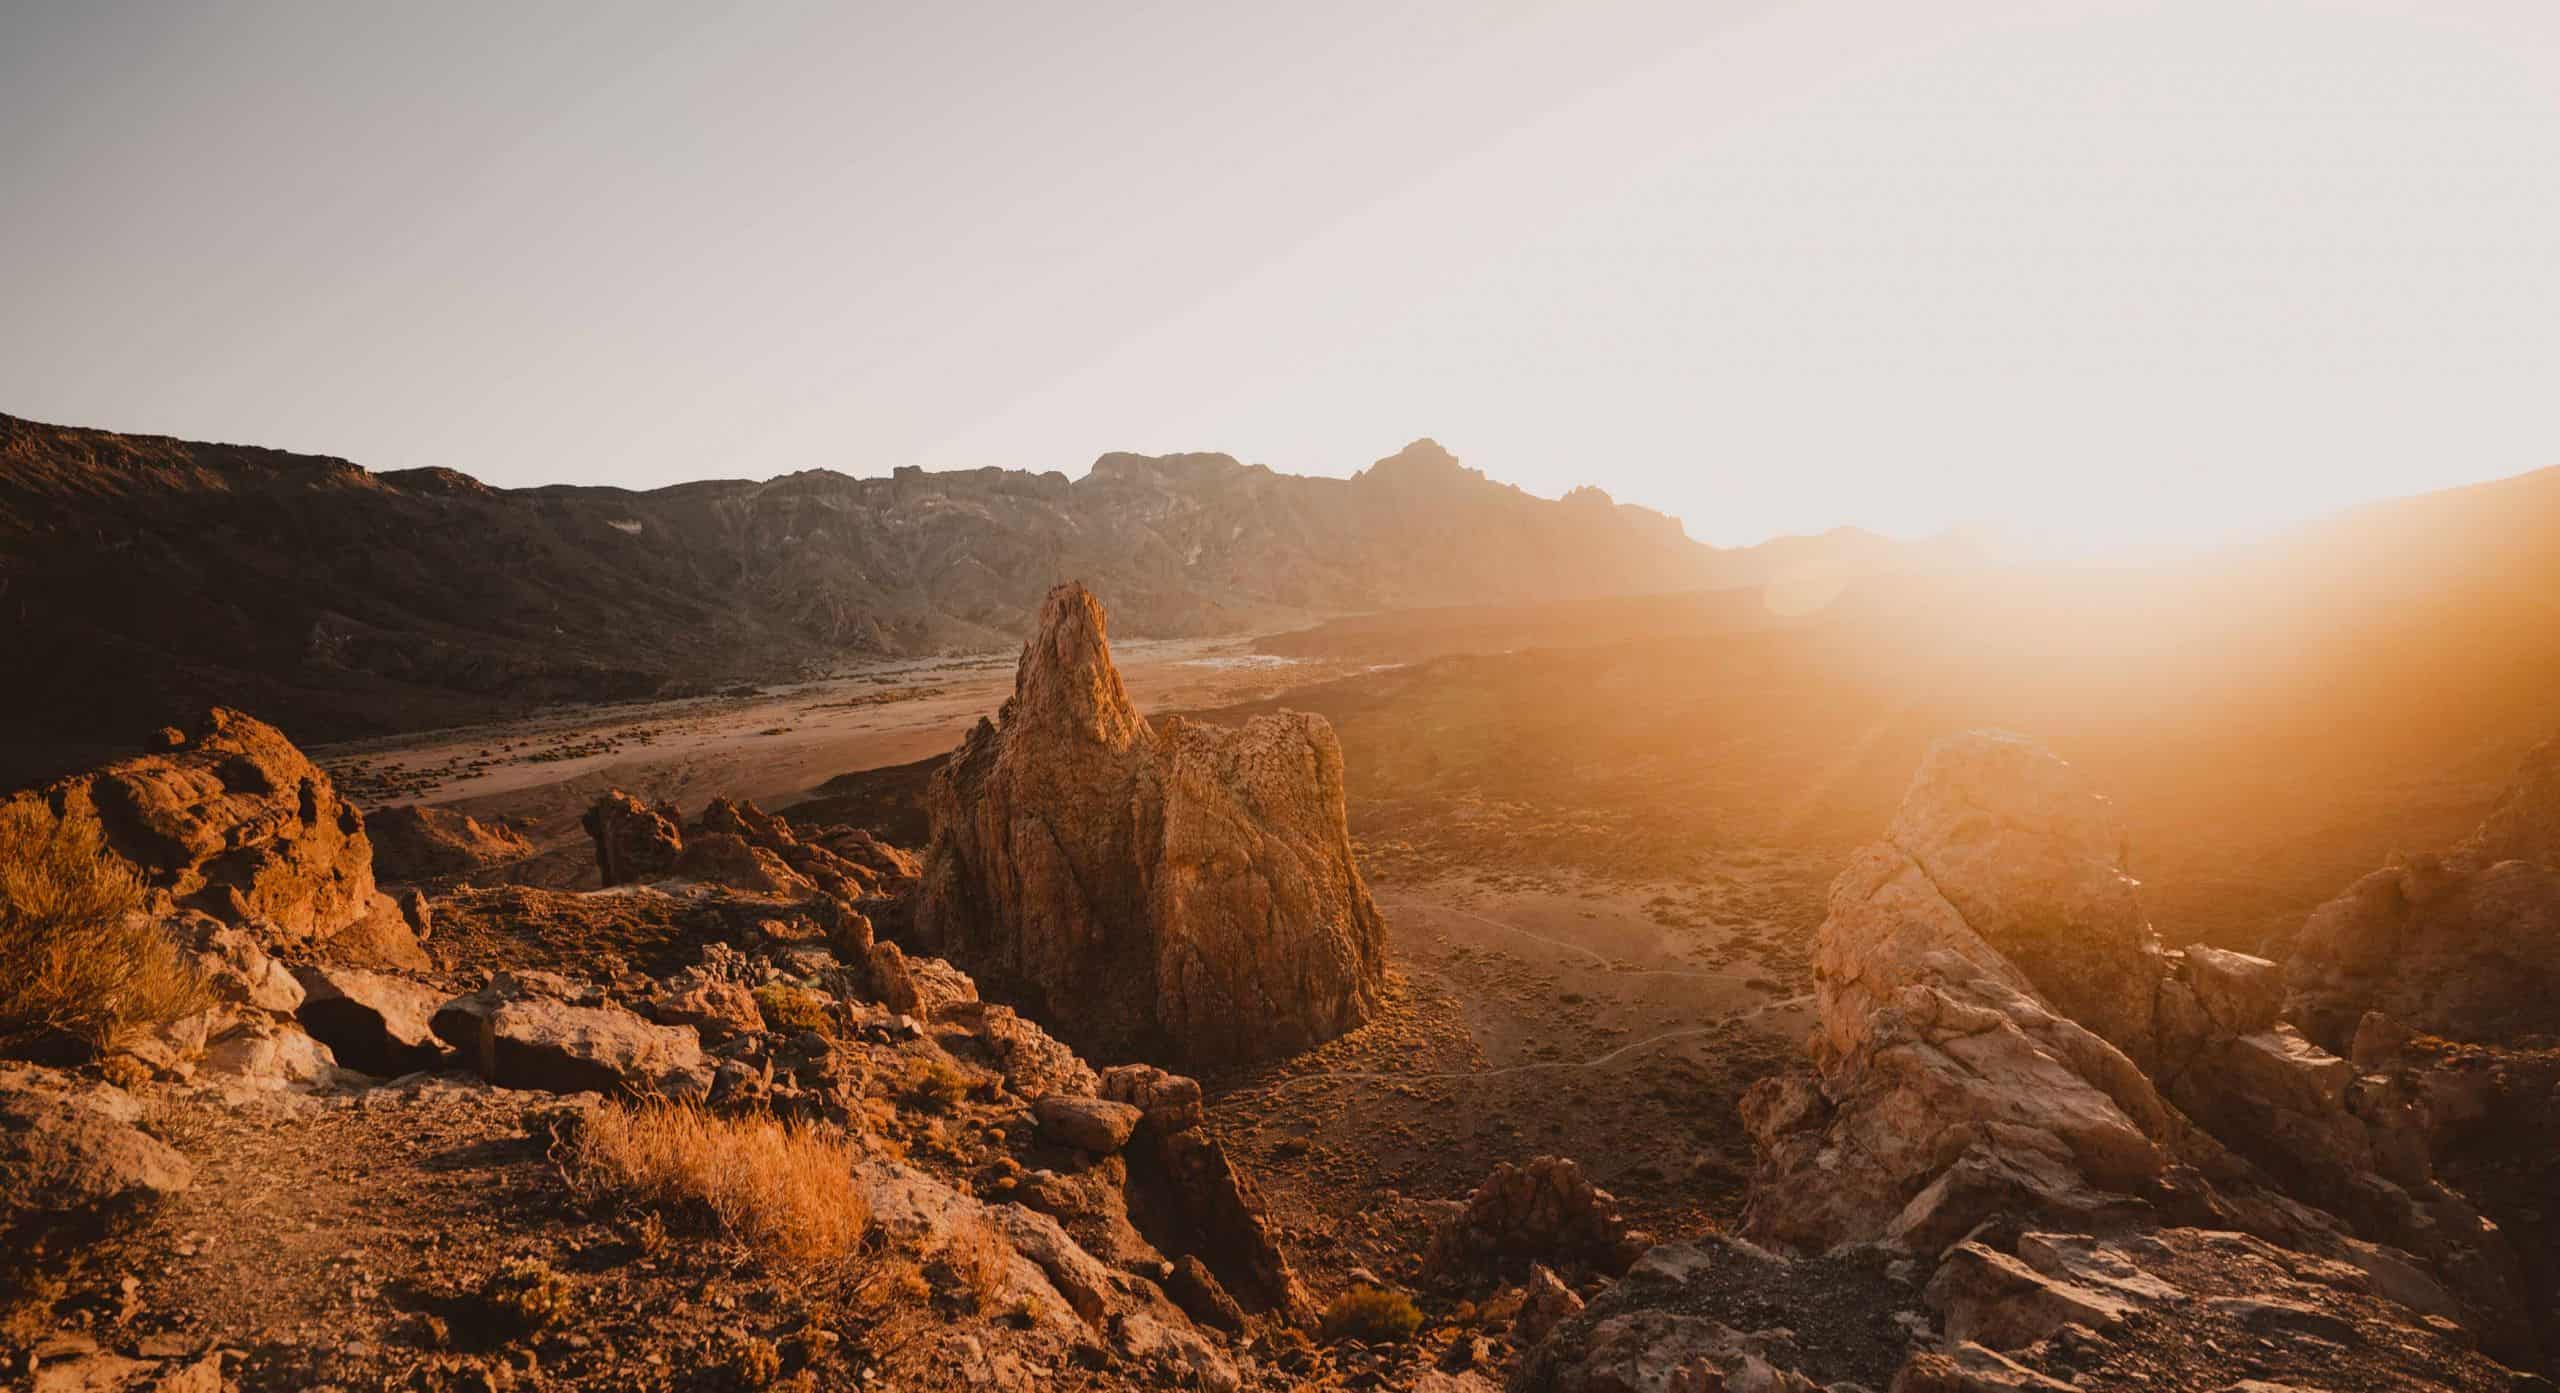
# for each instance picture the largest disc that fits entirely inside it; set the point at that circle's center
(362, 1111)
(143, 578)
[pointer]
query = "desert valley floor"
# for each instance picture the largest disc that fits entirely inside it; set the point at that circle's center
(1584, 1003)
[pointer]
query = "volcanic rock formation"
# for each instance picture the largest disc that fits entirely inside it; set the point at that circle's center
(232, 820)
(2465, 945)
(1963, 1143)
(1149, 886)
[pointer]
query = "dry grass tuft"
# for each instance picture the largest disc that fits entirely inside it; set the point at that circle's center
(85, 966)
(784, 1188)
(974, 1257)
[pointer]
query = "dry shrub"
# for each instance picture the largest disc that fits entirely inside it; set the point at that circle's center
(784, 1188)
(974, 1257)
(84, 965)
(1371, 1316)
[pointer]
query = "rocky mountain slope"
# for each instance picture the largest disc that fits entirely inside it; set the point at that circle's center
(143, 577)
(700, 1129)
(2011, 1167)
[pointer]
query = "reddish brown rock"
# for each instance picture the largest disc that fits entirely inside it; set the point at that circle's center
(236, 822)
(413, 843)
(634, 842)
(1149, 889)
(1543, 1212)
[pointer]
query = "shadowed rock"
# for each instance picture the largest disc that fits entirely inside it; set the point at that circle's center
(413, 843)
(1149, 887)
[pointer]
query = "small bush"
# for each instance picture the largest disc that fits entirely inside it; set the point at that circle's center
(524, 1296)
(791, 1010)
(1371, 1316)
(938, 1086)
(974, 1257)
(84, 966)
(784, 1188)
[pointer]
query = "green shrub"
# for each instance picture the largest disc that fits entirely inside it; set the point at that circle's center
(1371, 1316)
(789, 1010)
(524, 1296)
(938, 1086)
(85, 967)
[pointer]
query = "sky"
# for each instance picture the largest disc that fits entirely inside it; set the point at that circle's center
(2083, 273)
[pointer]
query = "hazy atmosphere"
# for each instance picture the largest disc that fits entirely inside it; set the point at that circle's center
(1305, 698)
(2096, 272)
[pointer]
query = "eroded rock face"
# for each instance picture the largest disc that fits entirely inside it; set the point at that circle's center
(2465, 946)
(1949, 1087)
(2033, 861)
(1149, 888)
(232, 820)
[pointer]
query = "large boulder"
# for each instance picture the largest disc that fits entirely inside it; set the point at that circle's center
(2033, 860)
(523, 1031)
(1165, 888)
(372, 1021)
(634, 841)
(232, 820)
(2464, 945)
(2451, 946)
(1545, 1211)
(73, 1152)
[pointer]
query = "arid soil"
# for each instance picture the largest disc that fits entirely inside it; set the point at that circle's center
(1600, 869)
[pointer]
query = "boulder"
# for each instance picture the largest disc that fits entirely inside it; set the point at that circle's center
(1149, 888)
(231, 820)
(236, 969)
(1544, 1211)
(718, 1008)
(2033, 860)
(1168, 1102)
(1545, 1303)
(412, 843)
(72, 1151)
(262, 1053)
(634, 841)
(1196, 1289)
(1993, 1299)
(373, 1022)
(518, 1033)
(1093, 1125)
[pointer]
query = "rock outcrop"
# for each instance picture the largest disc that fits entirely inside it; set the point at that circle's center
(72, 1153)
(1545, 1211)
(232, 820)
(2464, 945)
(1146, 888)
(534, 1030)
(2052, 1205)
(412, 843)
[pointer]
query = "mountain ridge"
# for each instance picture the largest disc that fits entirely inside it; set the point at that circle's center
(149, 576)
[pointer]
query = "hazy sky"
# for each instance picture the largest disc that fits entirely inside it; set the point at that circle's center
(2092, 270)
